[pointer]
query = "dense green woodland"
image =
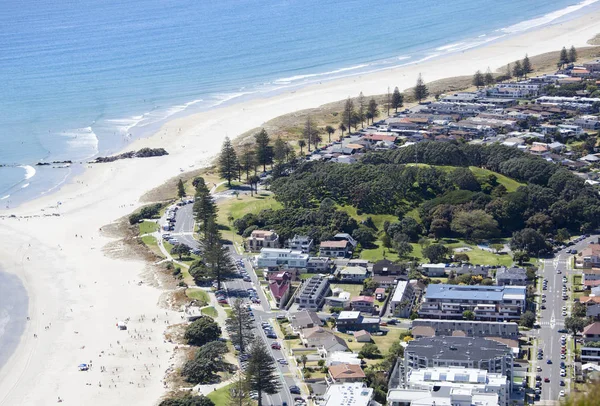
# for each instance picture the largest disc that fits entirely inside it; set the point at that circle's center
(451, 202)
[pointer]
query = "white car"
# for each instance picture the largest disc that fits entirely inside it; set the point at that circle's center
(563, 356)
(563, 373)
(564, 313)
(561, 393)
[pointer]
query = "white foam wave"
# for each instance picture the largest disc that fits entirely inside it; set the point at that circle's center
(225, 97)
(548, 18)
(29, 171)
(313, 75)
(24, 186)
(182, 107)
(449, 47)
(4, 197)
(82, 142)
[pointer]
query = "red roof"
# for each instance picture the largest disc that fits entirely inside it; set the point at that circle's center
(369, 299)
(593, 328)
(592, 283)
(334, 244)
(279, 289)
(380, 137)
(589, 299)
(380, 291)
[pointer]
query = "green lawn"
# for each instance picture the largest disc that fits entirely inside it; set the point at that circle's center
(210, 311)
(510, 184)
(378, 219)
(148, 227)
(353, 289)
(197, 294)
(152, 244)
(220, 397)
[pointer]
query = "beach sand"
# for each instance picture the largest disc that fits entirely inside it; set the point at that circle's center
(77, 292)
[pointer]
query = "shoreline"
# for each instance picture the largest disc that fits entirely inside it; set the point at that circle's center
(81, 281)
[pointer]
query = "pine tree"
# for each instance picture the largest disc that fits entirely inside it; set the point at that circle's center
(517, 70)
(228, 162)
(478, 79)
(526, 66)
(301, 144)
(215, 255)
(388, 101)
(240, 326)
(563, 59)
(261, 374)
(180, 189)
(279, 150)
(361, 109)
(572, 54)
(348, 113)
(372, 110)
(330, 130)
(310, 131)
(263, 152)
(488, 77)
(204, 208)
(397, 99)
(342, 128)
(508, 71)
(420, 91)
(238, 392)
(247, 161)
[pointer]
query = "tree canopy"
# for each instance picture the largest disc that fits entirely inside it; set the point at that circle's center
(202, 331)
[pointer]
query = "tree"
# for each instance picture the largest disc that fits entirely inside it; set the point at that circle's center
(372, 110)
(180, 250)
(204, 208)
(180, 189)
(263, 151)
(361, 109)
(397, 99)
(216, 256)
(474, 225)
(370, 351)
(478, 79)
(247, 161)
(342, 128)
(579, 310)
(529, 240)
(520, 257)
(436, 252)
(468, 315)
(188, 400)
(303, 360)
(202, 331)
(572, 54)
(562, 235)
(575, 325)
(253, 181)
(370, 284)
(238, 393)
(301, 144)
(420, 91)
(439, 228)
(527, 319)
(388, 101)
(517, 70)
(348, 113)
(228, 162)
(590, 144)
(280, 149)
(329, 130)
(309, 132)
(240, 325)
(461, 257)
(497, 247)
(488, 78)
(424, 242)
(261, 373)
(526, 66)
(563, 59)
(364, 235)
(509, 71)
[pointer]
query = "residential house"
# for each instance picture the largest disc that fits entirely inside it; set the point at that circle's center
(591, 332)
(339, 298)
(385, 267)
(353, 274)
(304, 319)
(335, 249)
(300, 243)
(475, 270)
(345, 373)
(281, 257)
(386, 281)
(313, 292)
(319, 265)
(342, 357)
(354, 321)
(348, 394)
(345, 237)
(590, 275)
(280, 287)
(271, 273)
(593, 311)
(588, 122)
(433, 270)
(362, 336)
(323, 340)
(260, 239)
(488, 303)
(402, 301)
(589, 300)
(511, 276)
(363, 304)
(379, 294)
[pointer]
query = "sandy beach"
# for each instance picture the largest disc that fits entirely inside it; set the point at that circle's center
(79, 285)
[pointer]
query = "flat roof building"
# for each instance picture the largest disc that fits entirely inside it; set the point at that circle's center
(348, 394)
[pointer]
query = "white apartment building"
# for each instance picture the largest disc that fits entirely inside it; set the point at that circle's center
(348, 394)
(281, 257)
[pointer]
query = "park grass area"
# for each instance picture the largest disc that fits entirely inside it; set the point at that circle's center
(148, 227)
(224, 186)
(220, 397)
(152, 244)
(378, 219)
(510, 184)
(353, 289)
(210, 311)
(305, 276)
(384, 342)
(198, 294)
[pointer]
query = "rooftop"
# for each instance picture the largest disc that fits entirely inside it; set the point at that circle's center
(345, 371)
(369, 299)
(592, 329)
(475, 292)
(457, 348)
(348, 394)
(399, 291)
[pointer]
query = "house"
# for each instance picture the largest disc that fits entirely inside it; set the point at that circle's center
(260, 239)
(403, 299)
(363, 304)
(588, 122)
(319, 265)
(385, 281)
(379, 294)
(511, 276)
(353, 274)
(385, 267)
(488, 303)
(589, 300)
(335, 249)
(313, 292)
(433, 269)
(271, 273)
(348, 394)
(354, 321)
(593, 310)
(281, 257)
(589, 257)
(591, 332)
(346, 237)
(342, 357)
(362, 336)
(300, 243)
(475, 270)
(338, 298)
(280, 287)
(304, 319)
(324, 340)
(344, 373)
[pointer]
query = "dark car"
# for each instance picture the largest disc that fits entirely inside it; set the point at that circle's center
(294, 389)
(562, 383)
(546, 380)
(392, 322)
(549, 361)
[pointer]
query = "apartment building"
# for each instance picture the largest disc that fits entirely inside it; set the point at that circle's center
(281, 257)
(313, 292)
(260, 239)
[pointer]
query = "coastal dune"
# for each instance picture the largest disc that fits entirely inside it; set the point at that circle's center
(77, 292)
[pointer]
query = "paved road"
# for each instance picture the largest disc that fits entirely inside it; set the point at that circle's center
(552, 320)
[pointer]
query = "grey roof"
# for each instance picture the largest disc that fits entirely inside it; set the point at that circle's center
(466, 292)
(305, 318)
(457, 348)
(511, 273)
